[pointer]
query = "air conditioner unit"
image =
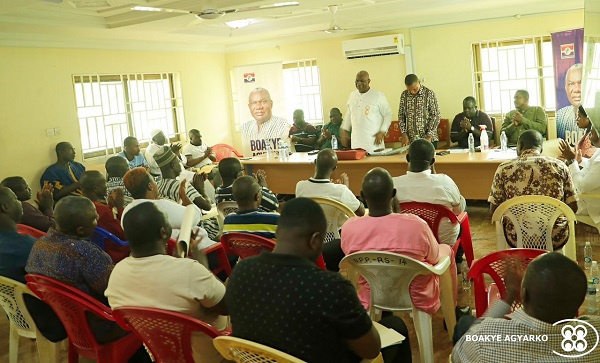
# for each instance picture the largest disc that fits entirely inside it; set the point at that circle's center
(374, 46)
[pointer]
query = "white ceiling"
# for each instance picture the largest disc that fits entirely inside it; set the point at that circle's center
(111, 24)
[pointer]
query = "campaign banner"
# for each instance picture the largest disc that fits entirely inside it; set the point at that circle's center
(567, 51)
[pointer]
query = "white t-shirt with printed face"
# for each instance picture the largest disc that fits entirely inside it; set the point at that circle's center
(324, 188)
(254, 141)
(196, 152)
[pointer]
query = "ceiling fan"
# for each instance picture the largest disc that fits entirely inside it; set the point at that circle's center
(210, 12)
(333, 27)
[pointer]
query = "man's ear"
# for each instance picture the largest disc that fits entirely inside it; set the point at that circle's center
(362, 195)
(394, 193)
(4, 207)
(163, 233)
(316, 242)
(432, 161)
(408, 158)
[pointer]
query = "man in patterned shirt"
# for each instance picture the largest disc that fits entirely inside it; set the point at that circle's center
(534, 174)
(419, 114)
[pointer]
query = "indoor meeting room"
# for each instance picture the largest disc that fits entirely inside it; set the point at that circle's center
(425, 172)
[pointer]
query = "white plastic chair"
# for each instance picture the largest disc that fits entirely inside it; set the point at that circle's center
(533, 217)
(389, 275)
(224, 209)
(246, 351)
(21, 323)
(584, 218)
(336, 214)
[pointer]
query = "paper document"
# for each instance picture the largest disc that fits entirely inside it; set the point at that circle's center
(497, 154)
(389, 151)
(388, 336)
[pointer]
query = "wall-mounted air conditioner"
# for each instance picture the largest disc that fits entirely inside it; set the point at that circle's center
(373, 46)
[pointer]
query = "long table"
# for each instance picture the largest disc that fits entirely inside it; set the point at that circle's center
(472, 173)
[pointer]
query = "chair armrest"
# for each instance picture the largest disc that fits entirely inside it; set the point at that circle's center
(441, 266)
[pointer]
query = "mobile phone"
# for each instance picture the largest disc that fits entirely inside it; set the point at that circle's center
(313, 152)
(442, 153)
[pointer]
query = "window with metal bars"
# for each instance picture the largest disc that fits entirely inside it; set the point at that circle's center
(303, 89)
(112, 107)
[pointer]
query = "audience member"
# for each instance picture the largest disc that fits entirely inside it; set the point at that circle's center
(230, 169)
(149, 278)
(468, 122)
(523, 118)
(331, 129)
(297, 308)
(533, 174)
(41, 219)
(301, 132)
(131, 152)
(407, 234)
(64, 175)
(421, 184)
(116, 168)
(158, 141)
(419, 113)
(585, 144)
(551, 291)
(197, 153)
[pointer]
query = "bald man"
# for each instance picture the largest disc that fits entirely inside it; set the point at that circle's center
(368, 117)
(408, 234)
(419, 113)
(551, 291)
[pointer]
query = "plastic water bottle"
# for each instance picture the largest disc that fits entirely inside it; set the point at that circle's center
(471, 143)
(503, 142)
(268, 149)
(464, 272)
(587, 256)
(591, 304)
(484, 142)
(334, 142)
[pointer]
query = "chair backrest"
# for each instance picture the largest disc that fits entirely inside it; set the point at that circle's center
(336, 214)
(389, 275)
(25, 229)
(100, 236)
(246, 245)
(245, 351)
(494, 265)
(223, 151)
(11, 300)
(533, 218)
(430, 213)
(167, 334)
(224, 209)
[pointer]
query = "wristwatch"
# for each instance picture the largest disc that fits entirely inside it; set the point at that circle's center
(472, 128)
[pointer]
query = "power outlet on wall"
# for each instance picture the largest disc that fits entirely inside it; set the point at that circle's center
(57, 131)
(50, 132)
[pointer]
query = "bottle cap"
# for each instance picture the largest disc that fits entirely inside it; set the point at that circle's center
(588, 244)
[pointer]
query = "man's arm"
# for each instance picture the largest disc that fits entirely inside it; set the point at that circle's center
(402, 113)
(538, 123)
(508, 125)
(207, 290)
(346, 127)
(457, 133)
(367, 346)
(65, 190)
(386, 113)
(434, 116)
(195, 161)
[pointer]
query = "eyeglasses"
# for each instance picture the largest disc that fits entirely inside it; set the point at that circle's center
(262, 102)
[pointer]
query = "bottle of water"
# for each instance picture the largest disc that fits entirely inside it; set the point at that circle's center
(471, 143)
(484, 141)
(334, 142)
(268, 149)
(587, 256)
(503, 142)
(464, 272)
(591, 303)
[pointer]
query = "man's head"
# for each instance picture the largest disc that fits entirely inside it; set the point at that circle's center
(147, 229)
(298, 118)
(65, 151)
(247, 193)
(230, 169)
(412, 83)
(140, 184)
(301, 229)
(530, 140)
(195, 137)
(326, 163)
(260, 105)
(362, 82)
(158, 137)
(93, 184)
(19, 186)
(335, 116)
(378, 189)
(11, 210)
(521, 99)
(116, 166)
(553, 288)
(583, 121)
(131, 146)
(167, 161)
(573, 84)
(421, 155)
(470, 107)
(75, 216)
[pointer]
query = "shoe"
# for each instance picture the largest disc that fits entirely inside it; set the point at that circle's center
(459, 312)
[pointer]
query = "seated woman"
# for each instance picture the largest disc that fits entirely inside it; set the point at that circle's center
(585, 144)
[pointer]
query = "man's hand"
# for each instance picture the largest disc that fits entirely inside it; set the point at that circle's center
(465, 124)
(198, 182)
(513, 279)
(379, 137)
(45, 199)
(326, 134)
(182, 189)
(175, 148)
(296, 139)
(566, 151)
(208, 152)
(261, 177)
(517, 118)
(579, 156)
(345, 179)
(404, 140)
(116, 199)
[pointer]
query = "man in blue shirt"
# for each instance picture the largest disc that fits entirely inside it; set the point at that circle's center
(65, 173)
(131, 152)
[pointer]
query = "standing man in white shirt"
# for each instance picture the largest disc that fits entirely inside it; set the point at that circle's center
(368, 117)
(197, 153)
(265, 128)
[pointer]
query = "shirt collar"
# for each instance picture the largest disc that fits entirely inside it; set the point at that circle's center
(521, 315)
(424, 172)
(529, 152)
(248, 211)
(286, 259)
(323, 181)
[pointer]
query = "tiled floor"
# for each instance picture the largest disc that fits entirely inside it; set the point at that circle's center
(484, 242)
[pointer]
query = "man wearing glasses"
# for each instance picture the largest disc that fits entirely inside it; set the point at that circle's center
(265, 129)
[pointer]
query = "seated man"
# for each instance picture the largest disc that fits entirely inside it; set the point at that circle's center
(533, 174)
(407, 234)
(302, 133)
(421, 184)
(149, 278)
(468, 122)
(230, 169)
(131, 152)
(551, 291)
(320, 186)
(309, 313)
(197, 153)
(523, 118)
(331, 129)
(64, 175)
(158, 141)
(116, 167)
(41, 219)
(249, 219)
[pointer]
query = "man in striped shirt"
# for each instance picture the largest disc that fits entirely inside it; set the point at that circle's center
(248, 218)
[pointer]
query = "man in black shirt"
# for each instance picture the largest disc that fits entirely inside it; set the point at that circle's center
(468, 122)
(282, 300)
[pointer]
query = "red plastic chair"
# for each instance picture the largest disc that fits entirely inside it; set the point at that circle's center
(167, 334)
(433, 214)
(25, 229)
(223, 151)
(217, 248)
(71, 306)
(494, 265)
